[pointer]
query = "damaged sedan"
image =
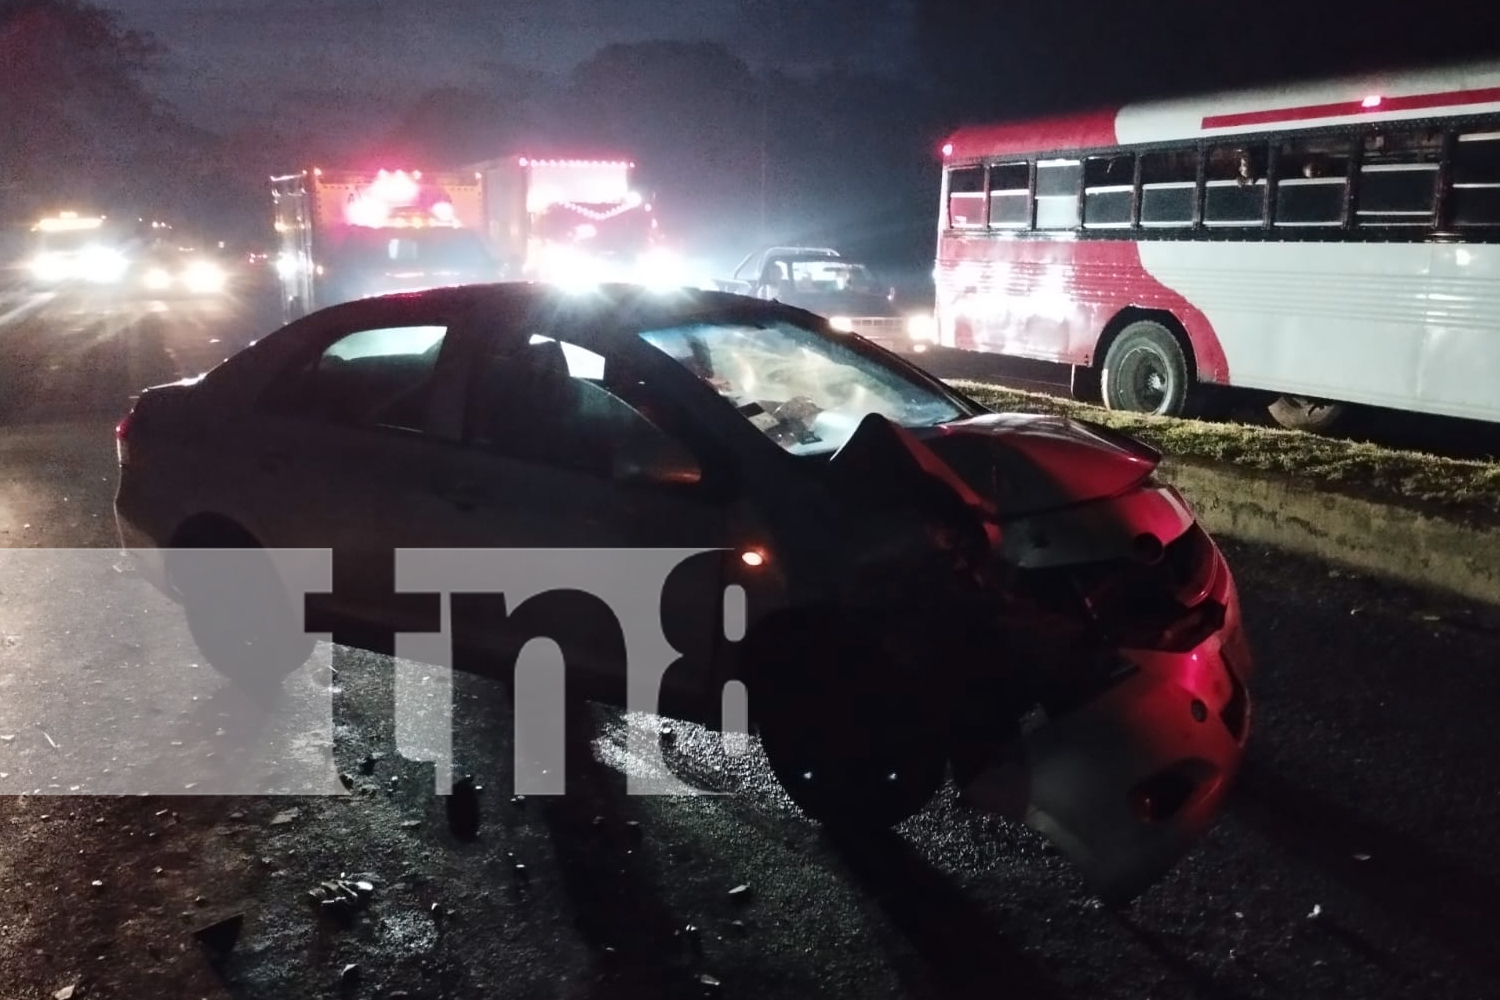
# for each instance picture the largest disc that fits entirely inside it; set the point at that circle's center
(931, 590)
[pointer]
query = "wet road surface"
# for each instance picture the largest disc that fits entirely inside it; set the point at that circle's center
(1355, 859)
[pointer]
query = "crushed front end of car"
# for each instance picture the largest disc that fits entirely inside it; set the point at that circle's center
(1093, 660)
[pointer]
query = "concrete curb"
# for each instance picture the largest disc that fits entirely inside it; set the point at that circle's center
(1382, 540)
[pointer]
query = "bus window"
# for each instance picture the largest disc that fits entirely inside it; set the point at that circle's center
(1312, 182)
(1398, 179)
(1476, 180)
(1236, 194)
(1010, 196)
(966, 198)
(1057, 193)
(1169, 181)
(1108, 186)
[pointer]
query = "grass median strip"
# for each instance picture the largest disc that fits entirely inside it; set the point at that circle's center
(1466, 490)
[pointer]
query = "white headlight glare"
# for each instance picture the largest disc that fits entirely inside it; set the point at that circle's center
(50, 267)
(205, 276)
(922, 326)
(102, 265)
(662, 269)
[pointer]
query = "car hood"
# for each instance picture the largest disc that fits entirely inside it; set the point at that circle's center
(841, 304)
(1026, 463)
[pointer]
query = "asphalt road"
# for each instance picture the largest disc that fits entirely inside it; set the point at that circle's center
(1356, 859)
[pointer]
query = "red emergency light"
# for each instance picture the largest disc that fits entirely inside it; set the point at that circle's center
(528, 161)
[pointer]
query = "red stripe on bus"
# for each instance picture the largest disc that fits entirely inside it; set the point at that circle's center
(1415, 102)
(1084, 131)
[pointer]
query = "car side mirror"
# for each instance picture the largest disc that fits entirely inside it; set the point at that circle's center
(656, 460)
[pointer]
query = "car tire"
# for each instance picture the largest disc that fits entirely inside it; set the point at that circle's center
(1146, 371)
(852, 738)
(243, 622)
(1316, 416)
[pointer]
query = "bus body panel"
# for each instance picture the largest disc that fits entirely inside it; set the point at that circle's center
(1309, 319)
(1050, 300)
(1440, 93)
(1409, 326)
(1366, 100)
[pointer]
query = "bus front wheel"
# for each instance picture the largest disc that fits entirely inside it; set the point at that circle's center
(1299, 413)
(1146, 371)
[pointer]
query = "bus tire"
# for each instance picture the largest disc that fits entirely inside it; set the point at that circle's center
(1146, 371)
(1300, 413)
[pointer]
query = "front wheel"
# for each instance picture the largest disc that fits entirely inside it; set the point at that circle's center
(1299, 413)
(1146, 371)
(850, 736)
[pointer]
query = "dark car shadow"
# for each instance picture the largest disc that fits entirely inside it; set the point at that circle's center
(964, 948)
(618, 907)
(1441, 898)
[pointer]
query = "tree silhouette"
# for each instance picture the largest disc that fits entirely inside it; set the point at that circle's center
(77, 121)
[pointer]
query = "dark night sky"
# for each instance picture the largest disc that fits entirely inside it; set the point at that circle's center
(348, 70)
(232, 59)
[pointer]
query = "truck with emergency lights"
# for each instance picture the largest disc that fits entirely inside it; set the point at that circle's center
(351, 234)
(573, 221)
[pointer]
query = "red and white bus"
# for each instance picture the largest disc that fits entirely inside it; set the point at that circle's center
(1327, 244)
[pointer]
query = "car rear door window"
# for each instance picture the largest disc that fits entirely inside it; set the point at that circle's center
(375, 377)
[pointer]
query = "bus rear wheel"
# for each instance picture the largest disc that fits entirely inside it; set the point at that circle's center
(1299, 413)
(1146, 371)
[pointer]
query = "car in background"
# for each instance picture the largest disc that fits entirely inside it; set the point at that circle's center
(930, 587)
(174, 270)
(843, 289)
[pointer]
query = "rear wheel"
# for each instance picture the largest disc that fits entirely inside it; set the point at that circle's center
(1300, 413)
(850, 736)
(238, 611)
(1146, 371)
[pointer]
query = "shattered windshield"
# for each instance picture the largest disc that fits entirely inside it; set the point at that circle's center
(801, 388)
(831, 277)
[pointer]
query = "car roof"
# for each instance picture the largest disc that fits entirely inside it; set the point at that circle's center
(631, 305)
(808, 251)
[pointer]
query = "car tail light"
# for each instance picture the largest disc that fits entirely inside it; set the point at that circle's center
(122, 439)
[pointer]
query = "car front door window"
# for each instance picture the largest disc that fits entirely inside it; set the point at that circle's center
(549, 404)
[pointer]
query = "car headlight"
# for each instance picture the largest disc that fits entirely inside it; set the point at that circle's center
(662, 269)
(103, 265)
(157, 279)
(922, 327)
(843, 323)
(50, 267)
(205, 277)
